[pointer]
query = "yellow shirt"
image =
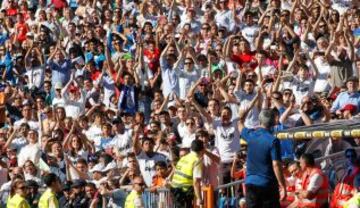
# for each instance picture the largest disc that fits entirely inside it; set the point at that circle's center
(17, 201)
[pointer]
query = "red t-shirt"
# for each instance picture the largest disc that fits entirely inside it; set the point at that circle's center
(59, 4)
(22, 30)
(242, 58)
(11, 12)
(95, 75)
(153, 57)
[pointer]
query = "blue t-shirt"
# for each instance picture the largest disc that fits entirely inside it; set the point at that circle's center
(286, 145)
(263, 148)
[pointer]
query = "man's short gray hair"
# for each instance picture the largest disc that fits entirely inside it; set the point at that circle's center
(267, 118)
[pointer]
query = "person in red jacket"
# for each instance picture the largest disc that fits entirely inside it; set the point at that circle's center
(293, 183)
(314, 185)
(345, 188)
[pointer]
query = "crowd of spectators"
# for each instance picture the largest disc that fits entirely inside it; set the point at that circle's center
(100, 92)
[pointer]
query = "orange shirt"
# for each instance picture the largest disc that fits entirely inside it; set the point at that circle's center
(158, 181)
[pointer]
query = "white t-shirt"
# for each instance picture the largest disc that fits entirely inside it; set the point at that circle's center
(58, 102)
(33, 124)
(186, 80)
(123, 142)
(266, 70)
(18, 143)
(109, 89)
(187, 139)
(93, 132)
(249, 33)
(223, 18)
(302, 88)
(35, 76)
(322, 83)
(75, 108)
(252, 118)
(29, 152)
(227, 140)
(181, 128)
(147, 165)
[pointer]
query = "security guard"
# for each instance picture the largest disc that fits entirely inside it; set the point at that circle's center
(17, 195)
(134, 199)
(48, 198)
(187, 177)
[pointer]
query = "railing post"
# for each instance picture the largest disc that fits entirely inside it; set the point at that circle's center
(208, 194)
(210, 197)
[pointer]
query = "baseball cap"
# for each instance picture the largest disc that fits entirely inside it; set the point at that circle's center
(98, 168)
(350, 107)
(58, 86)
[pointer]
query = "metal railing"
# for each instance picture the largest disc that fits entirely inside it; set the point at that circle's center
(160, 199)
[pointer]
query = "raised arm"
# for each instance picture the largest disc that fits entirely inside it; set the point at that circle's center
(306, 119)
(64, 90)
(243, 113)
(136, 140)
(108, 57)
(350, 47)
(201, 110)
(164, 103)
(11, 138)
(313, 66)
(27, 64)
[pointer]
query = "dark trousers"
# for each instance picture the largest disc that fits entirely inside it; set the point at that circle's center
(262, 197)
(183, 198)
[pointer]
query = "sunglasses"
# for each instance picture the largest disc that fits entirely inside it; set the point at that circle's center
(22, 187)
(140, 184)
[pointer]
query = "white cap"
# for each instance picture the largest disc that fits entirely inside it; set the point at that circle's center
(58, 85)
(98, 168)
(110, 166)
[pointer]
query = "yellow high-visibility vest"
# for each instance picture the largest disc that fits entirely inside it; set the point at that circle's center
(45, 198)
(17, 201)
(130, 199)
(183, 176)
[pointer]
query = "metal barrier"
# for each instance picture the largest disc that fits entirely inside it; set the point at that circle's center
(162, 198)
(159, 199)
(228, 195)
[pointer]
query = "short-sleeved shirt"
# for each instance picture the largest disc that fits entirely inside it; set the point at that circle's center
(263, 148)
(227, 140)
(147, 165)
(60, 71)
